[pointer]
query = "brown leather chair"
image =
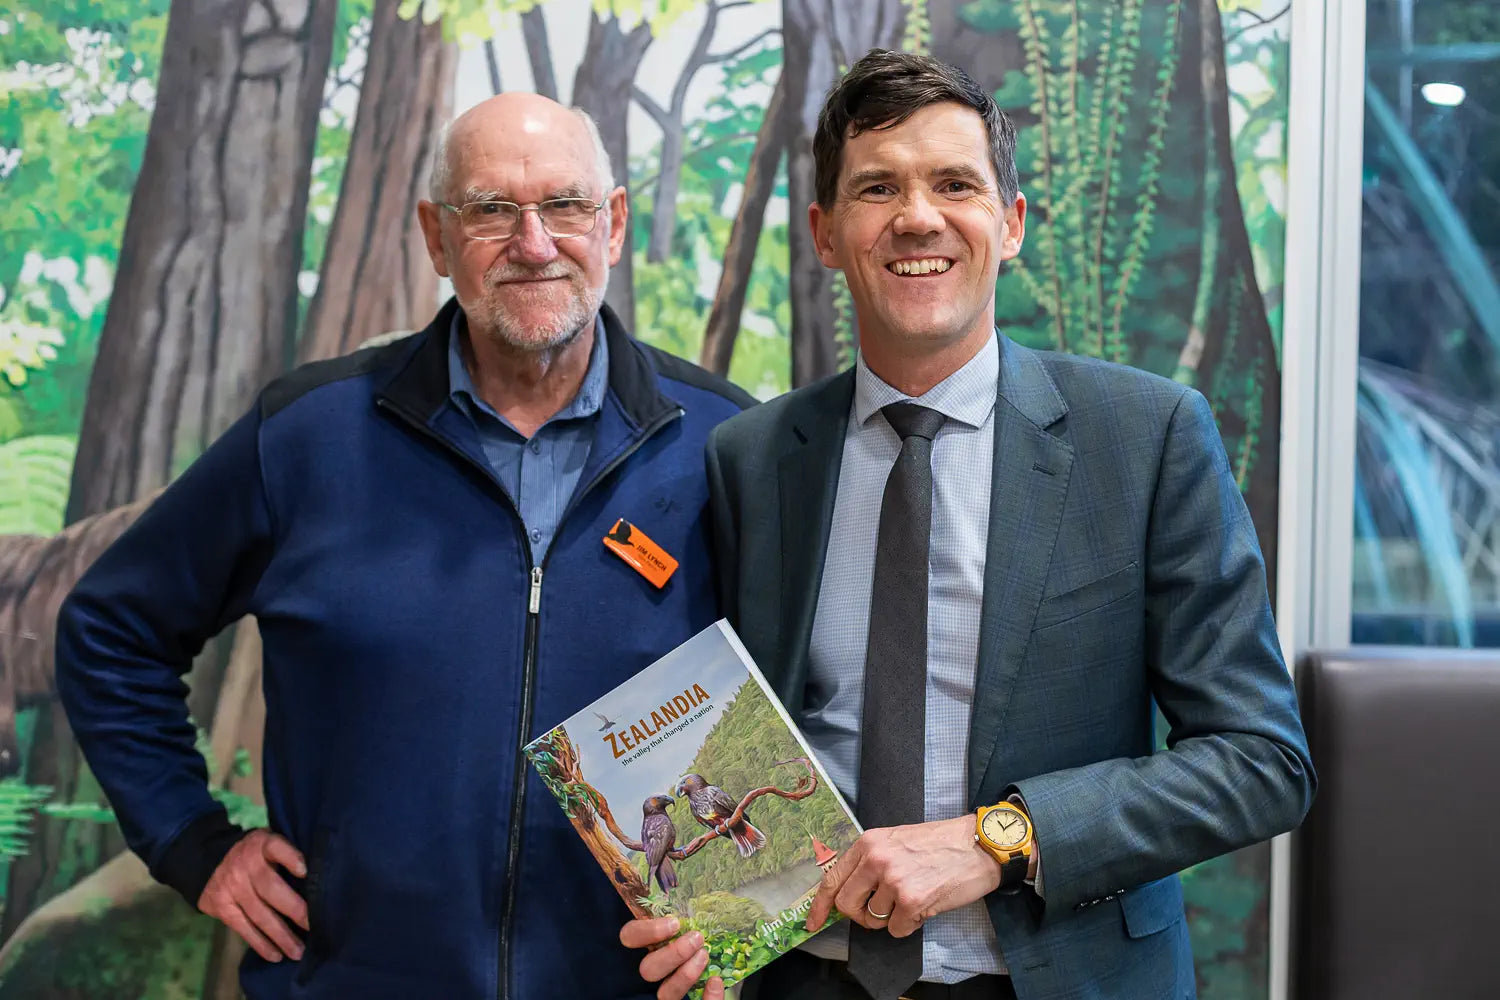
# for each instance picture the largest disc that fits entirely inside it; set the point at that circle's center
(1396, 872)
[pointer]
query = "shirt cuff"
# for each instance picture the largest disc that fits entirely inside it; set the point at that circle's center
(1036, 846)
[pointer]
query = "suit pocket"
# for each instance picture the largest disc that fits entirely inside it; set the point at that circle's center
(1152, 907)
(1090, 597)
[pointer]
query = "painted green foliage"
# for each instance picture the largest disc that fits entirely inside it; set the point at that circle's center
(1124, 257)
(78, 86)
(18, 803)
(160, 955)
(1091, 230)
(34, 472)
(677, 294)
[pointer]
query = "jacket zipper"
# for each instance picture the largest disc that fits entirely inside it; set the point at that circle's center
(518, 778)
(533, 621)
(528, 679)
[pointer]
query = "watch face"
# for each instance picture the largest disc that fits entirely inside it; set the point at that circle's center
(1004, 827)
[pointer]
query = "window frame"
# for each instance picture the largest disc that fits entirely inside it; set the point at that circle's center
(1320, 364)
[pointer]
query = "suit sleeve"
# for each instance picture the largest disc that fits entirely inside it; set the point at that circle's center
(1236, 769)
(127, 635)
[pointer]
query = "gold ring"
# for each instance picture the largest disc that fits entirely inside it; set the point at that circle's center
(877, 916)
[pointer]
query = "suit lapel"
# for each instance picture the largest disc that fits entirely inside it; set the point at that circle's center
(1030, 479)
(808, 474)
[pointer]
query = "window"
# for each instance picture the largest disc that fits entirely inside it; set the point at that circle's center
(1426, 558)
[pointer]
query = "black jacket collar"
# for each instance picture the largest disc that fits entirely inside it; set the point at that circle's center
(420, 384)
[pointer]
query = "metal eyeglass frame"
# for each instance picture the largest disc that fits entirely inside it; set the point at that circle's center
(458, 210)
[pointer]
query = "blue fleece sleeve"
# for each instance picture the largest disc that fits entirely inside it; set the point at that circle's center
(127, 635)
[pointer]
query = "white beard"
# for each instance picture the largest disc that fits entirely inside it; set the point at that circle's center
(489, 318)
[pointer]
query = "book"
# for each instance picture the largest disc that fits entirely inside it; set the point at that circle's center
(699, 798)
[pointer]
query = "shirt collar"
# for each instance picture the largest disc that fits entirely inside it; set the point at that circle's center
(967, 396)
(585, 403)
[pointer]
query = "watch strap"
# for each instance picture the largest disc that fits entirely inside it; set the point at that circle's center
(1013, 872)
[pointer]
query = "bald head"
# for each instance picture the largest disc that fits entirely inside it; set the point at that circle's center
(516, 125)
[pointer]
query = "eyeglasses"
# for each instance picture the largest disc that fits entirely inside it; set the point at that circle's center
(562, 218)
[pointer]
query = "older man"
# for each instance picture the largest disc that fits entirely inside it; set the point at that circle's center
(418, 529)
(970, 570)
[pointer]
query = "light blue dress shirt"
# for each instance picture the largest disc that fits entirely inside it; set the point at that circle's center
(960, 943)
(539, 473)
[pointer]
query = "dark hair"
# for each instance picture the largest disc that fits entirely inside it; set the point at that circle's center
(884, 89)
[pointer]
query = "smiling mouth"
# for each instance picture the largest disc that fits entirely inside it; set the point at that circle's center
(927, 265)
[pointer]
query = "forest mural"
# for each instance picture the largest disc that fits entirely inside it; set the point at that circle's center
(197, 195)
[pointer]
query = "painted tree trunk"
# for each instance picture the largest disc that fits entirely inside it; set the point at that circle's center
(602, 87)
(596, 837)
(669, 177)
(1226, 368)
(376, 275)
(539, 51)
(664, 202)
(739, 255)
(985, 56)
(204, 306)
(820, 42)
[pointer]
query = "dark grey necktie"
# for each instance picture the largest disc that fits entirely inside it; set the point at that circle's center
(893, 731)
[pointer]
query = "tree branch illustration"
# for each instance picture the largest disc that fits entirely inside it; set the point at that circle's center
(601, 87)
(741, 49)
(1256, 21)
(806, 785)
(669, 120)
(663, 205)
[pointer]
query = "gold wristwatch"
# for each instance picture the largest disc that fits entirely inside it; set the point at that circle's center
(1004, 831)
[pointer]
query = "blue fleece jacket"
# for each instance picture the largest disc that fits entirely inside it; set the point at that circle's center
(410, 648)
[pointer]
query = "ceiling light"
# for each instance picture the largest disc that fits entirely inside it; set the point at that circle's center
(1444, 95)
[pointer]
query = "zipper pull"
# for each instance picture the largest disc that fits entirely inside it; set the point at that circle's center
(536, 590)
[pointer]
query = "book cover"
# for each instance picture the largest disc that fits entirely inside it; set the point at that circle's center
(696, 794)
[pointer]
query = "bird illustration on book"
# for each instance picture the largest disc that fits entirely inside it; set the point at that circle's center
(658, 837)
(712, 806)
(606, 724)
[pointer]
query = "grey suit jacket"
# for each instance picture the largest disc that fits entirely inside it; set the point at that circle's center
(1122, 571)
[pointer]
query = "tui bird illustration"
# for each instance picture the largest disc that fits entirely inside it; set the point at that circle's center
(711, 806)
(658, 836)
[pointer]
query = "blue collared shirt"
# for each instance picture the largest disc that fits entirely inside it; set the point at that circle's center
(541, 473)
(960, 943)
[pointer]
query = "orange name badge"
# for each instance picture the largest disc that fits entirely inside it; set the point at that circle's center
(649, 559)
